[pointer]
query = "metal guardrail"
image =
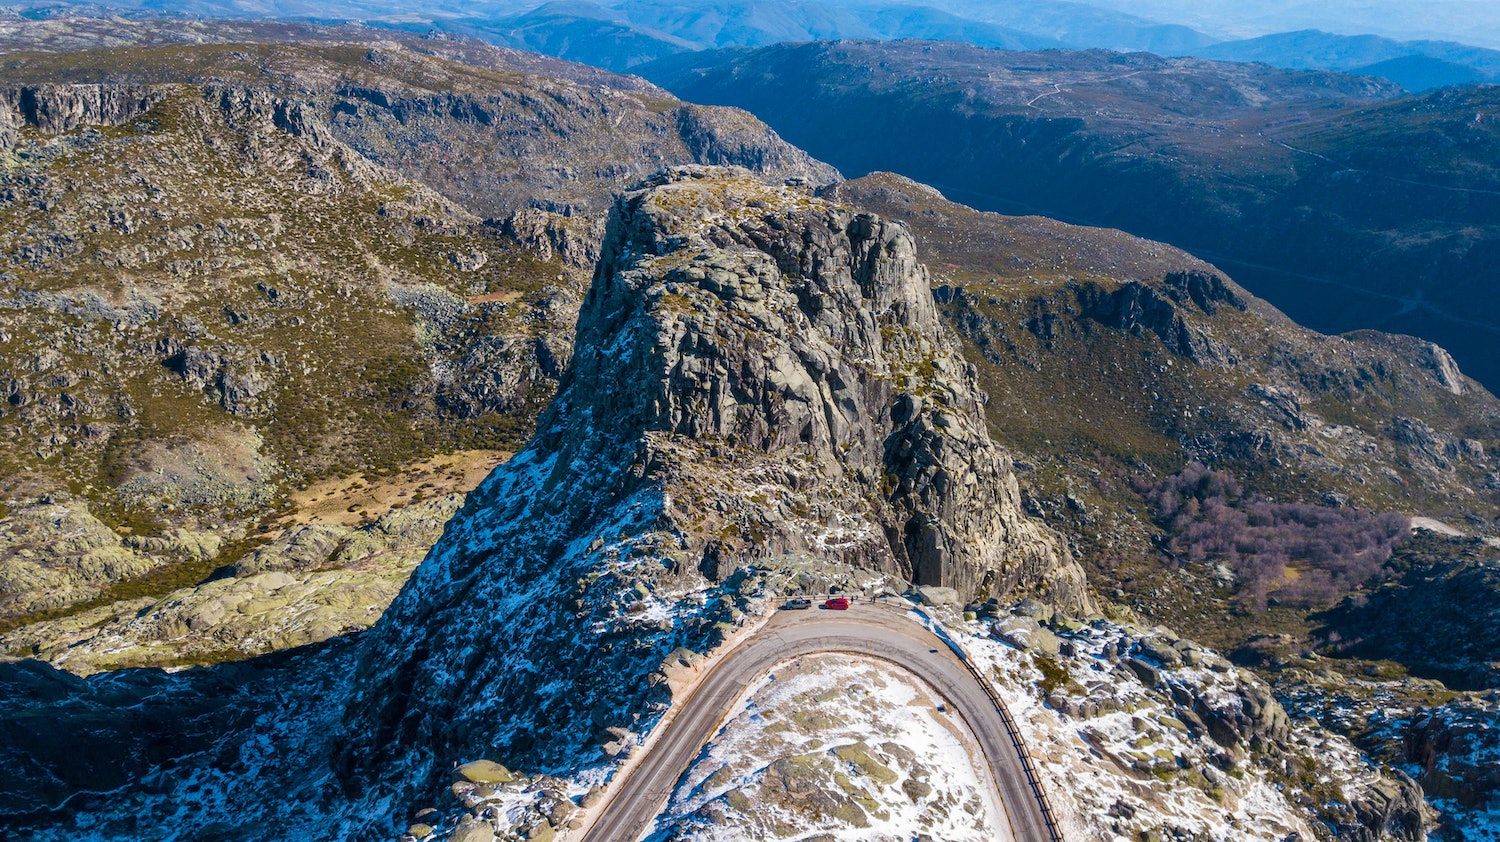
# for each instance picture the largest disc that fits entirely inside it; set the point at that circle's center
(1028, 763)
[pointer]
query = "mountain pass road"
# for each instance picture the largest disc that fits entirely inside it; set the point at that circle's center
(878, 631)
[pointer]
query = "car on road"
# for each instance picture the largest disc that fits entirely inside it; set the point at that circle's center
(837, 603)
(797, 604)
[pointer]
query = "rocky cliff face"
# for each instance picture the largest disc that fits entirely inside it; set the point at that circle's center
(762, 393)
(807, 334)
(54, 109)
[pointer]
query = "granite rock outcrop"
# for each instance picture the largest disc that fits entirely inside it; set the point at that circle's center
(761, 385)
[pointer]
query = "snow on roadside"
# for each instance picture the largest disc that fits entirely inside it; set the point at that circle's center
(838, 747)
(1117, 755)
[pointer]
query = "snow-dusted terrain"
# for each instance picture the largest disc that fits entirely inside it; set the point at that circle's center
(1137, 731)
(833, 744)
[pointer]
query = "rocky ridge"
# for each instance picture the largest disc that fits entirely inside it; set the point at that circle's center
(54, 109)
(803, 338)
(495, 130)
(1445, 741)
(532, 644)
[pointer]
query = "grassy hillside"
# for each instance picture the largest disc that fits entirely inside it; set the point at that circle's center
(1113, 364)
(1323, 194)
(233, 271)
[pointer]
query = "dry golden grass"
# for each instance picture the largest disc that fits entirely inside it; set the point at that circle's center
(358, 499)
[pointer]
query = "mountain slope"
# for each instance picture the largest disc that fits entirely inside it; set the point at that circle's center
(794, 418)
(620, 35)
(1108, 359)
(470, 130)
(1421, 73)
(1083, 25)
(216, 301)
(1112, 364)
(1259, 170)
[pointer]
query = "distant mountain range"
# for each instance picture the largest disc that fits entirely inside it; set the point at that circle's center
(1472, 21)
(1414, 65)
(621, 34)
(1339, 201)
(622, 37)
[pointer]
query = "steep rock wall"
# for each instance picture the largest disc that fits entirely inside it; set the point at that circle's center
(760, 383)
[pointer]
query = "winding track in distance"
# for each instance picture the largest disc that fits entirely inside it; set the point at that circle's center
(870, 630)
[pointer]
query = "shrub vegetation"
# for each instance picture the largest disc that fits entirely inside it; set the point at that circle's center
(1297, 553)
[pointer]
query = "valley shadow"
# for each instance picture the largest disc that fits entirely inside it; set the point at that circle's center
(70, 745)
(1438, 620)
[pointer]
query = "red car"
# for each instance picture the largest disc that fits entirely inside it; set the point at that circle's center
(838, 603)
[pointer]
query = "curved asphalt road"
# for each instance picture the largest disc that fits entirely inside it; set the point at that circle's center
(875, 631)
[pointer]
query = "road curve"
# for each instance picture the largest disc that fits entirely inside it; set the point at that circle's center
(630, 804)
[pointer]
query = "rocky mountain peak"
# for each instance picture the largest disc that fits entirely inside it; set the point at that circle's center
(760, 326)
(762, 399)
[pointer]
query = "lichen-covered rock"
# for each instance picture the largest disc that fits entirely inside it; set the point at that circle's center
(1197, 748)
(55, 551)
(573, 239)
(484, 772)
(311, 584)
